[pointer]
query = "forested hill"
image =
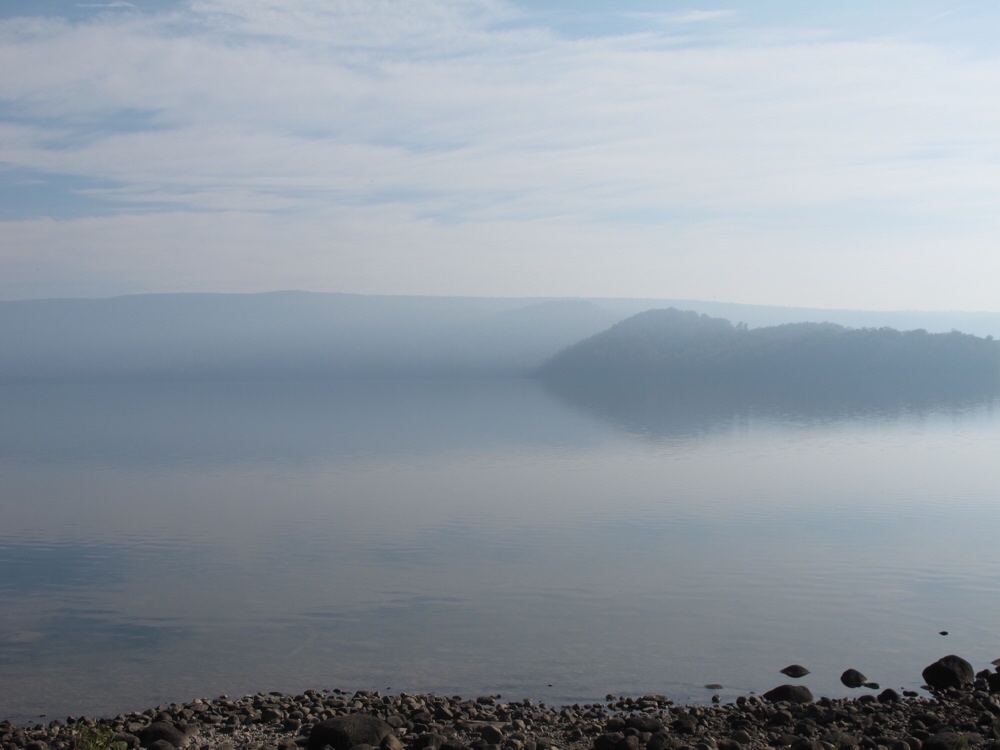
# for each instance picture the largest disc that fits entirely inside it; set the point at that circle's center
(674, 347)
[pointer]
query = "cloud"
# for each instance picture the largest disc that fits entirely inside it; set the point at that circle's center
(379, 248)
(572, 126)
(434, 123)
(687, 17)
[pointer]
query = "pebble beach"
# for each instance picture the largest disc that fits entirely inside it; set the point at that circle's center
(961, 711)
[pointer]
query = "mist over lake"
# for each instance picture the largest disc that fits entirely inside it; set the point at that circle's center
(163, 541)
(365, 362)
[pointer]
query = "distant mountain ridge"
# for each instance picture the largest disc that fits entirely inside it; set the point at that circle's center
(308, 335)
(284, 335)
(683, 347)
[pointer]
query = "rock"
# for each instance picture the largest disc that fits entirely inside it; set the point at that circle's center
(948, 672)
(790, 693)
(686, 724)
(852, 678)
(160, 745)
(945, 741)
(644, 723)
(888, 696)
(162, 730)
(608, 740)
(429, 741)
(795, 670)
(872, 685)
(781, 718)
(713, 686)
(842, 740)
(271, 715)
(344, 732)
(491, 734)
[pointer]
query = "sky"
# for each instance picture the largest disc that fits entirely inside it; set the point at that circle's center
(840, 155)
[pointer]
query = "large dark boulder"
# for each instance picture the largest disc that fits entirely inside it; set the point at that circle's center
(949, 672)
(344, 732)
(789, 693)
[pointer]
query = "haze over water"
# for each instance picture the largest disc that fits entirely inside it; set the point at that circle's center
(168, 541)
(198, 192)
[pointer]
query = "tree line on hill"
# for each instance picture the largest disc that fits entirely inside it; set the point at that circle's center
(676, 347)
(312, 336)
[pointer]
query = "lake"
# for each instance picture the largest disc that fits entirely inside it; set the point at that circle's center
(162, 542)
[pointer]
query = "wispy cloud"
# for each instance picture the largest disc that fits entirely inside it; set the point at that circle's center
(463, 130)
(687, 17)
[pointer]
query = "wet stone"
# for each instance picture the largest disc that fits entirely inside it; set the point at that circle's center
(948, 672)
(795, 671)
(852, 678)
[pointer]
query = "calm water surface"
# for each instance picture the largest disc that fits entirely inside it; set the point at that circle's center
(166, 542)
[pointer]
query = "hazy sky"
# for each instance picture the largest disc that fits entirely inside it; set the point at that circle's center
(836, 154)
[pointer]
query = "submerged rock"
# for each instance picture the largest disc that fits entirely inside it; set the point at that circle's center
(795, 670)
(852, 678)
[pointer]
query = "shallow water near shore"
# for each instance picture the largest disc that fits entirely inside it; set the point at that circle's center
(166, 541)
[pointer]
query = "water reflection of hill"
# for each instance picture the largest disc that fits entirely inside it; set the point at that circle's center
(283, 421)
(660, 410)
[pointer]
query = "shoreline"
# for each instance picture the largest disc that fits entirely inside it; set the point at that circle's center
(957, 715)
